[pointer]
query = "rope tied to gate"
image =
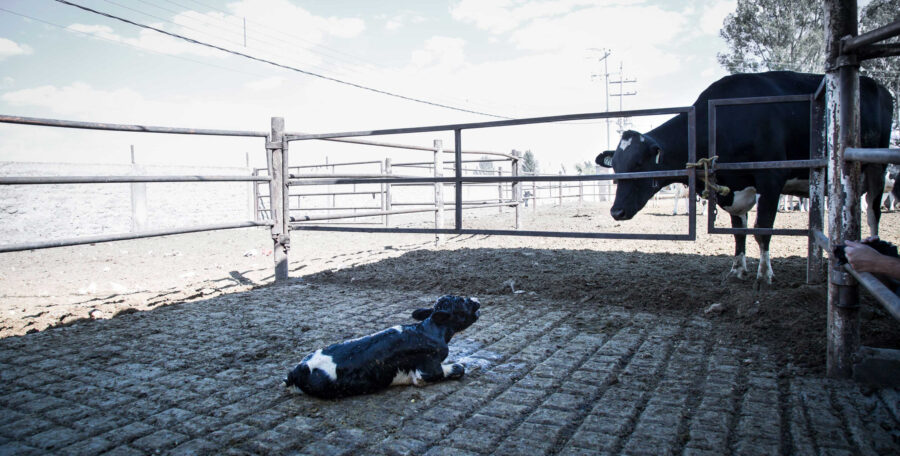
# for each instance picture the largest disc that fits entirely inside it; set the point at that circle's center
(706, 163)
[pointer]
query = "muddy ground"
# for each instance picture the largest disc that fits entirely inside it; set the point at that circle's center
(43, 289)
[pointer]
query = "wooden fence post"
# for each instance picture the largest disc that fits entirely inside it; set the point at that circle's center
(516, 188)
(138, 198)
(439, 191)
(387, 193)
(281, 237)
(500, 190)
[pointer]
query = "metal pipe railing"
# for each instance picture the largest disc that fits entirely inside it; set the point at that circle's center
(41, 180)
(126, 236)
(391, 212)
(872, 155)
(122, 127)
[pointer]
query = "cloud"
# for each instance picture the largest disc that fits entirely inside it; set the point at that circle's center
(148, 40)
(440, 51)
(9, 48)
(399, 20)
(76, 99)
(265, 84)
(713, 16)
(501, 16)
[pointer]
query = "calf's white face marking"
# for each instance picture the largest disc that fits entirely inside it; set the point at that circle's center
(744, 200)
(623, 144)
(324, 363)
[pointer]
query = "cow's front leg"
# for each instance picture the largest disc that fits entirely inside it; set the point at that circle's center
(739, 264)
(435, 371)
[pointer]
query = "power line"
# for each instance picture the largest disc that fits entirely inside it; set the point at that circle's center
(287, 67)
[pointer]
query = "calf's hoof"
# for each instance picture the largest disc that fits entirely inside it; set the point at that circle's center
(456, 371)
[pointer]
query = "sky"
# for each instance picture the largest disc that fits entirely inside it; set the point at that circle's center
(506, 58)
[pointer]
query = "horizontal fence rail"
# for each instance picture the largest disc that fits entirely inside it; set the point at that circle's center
(493, 179)
(40, 180)
(126, 236)
(131, 128)
(492, 124)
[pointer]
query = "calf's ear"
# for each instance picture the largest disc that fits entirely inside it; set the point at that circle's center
(422, 314)
(440, 316)
(605, 158)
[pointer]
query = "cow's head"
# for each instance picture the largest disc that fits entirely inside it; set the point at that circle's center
(455, 312)
(636, 153)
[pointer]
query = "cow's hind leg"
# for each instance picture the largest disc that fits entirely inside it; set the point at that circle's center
(739, 264)
(765, 218)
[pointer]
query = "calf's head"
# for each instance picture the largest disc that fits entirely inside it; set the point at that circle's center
(454, 312)
(636, 153)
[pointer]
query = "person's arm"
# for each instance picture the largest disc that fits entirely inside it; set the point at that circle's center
(866, 259)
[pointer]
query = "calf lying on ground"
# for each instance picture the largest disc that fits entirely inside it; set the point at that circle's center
(400, 355)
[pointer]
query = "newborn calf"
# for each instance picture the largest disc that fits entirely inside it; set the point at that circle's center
(400, 355)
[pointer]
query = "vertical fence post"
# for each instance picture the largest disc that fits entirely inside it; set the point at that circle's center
(138, 198)
(439, 191)
(276, 148)
(500, 190)
(387, 193)
(815, 262)
(580, 192)
(534, 198)
(256, 212)
(516, 188)
(560, 191)
(457, 159)
(842, 131)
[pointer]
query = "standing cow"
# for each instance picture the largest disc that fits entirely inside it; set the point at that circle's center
(749, 133)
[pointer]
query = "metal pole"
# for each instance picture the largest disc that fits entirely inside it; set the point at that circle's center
(815, 263)
(438, 192)
(842, 131)
(278, 202)
(534, 198)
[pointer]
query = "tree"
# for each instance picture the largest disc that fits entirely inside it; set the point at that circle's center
(585, 168)
(765, 35)
(774, 35)
(886, 71)
(529, 164)
(485, 167)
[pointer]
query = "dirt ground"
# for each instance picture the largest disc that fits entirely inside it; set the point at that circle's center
(53, 287)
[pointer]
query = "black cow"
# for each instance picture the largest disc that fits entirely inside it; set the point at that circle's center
(758, 132)
(400, 355)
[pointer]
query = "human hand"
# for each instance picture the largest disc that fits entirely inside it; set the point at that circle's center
(862, 257)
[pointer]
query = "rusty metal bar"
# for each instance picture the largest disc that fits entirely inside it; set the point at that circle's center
(493, 124)
(385, 175)
(759, 100)
(881, 293)
(848, 44)
(815, 262)
(842, 132)
(692, 173)
(126, 236)
(332, 165)
(40, 180)
(120, 127)
(781, 164)
(761, 231)
(438, 192)
(872, 155)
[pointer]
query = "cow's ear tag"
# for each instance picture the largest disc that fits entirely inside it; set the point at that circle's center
(605, 158)
(441, 316)
(658, 153)
(422, 314)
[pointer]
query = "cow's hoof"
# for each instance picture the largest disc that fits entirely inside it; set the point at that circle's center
(456, 371)
(762, 284)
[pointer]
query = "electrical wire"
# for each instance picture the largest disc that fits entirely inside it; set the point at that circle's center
(273, 63)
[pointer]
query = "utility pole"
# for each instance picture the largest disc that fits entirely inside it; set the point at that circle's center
(604, 59)
(623, 123)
